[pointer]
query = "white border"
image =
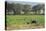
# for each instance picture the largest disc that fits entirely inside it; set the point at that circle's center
(2, 15)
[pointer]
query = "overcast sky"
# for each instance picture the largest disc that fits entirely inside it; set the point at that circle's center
(28, 0)
(23, 2)
(33, 2)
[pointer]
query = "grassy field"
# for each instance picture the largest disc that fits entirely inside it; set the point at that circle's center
(22, 19)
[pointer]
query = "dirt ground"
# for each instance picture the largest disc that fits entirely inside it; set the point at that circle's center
(28, 26)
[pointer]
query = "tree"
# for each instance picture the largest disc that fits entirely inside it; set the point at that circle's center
(15, 7)
(11, 7)
(18, 8)
(27, 8)
(38, 7)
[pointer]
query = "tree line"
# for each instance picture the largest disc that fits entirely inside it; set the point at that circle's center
(17, 8)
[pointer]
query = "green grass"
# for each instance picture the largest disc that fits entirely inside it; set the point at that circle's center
(21, 19)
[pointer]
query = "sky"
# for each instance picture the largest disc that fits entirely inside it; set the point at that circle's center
(33, 2)
(24, 2)
(28, 0)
